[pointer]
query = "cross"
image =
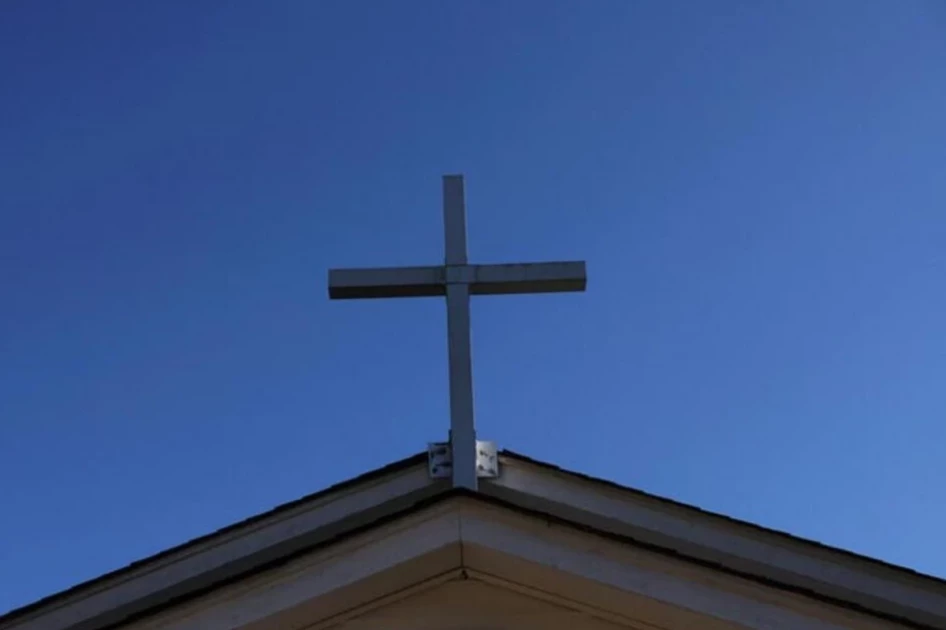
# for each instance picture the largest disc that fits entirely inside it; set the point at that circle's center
(457, 280)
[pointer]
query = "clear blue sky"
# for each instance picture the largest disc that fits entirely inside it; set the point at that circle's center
(759, 189)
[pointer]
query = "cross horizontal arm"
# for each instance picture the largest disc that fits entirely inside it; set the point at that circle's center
(551, 277)
(386, 282)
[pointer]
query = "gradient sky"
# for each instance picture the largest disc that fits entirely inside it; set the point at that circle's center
(759, 189)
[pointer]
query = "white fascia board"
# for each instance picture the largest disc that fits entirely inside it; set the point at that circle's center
(738, 546)
(622, 580)
(166, 577)
(261, 600)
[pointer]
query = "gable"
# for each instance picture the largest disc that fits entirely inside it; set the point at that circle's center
(534, 530)
(471, 540)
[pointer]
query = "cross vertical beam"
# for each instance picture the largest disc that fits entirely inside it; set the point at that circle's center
(459, 353)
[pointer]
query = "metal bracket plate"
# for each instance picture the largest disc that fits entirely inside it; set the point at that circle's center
(440, 460)
(439, 464)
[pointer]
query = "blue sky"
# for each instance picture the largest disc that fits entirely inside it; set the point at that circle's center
(759, 189)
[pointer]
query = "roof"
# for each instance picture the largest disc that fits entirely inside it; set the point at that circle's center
(723, 517)
(636, 517)
(118, 573)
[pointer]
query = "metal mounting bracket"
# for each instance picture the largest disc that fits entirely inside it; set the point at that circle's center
(440, 460)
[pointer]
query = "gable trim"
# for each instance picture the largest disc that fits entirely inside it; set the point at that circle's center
(429, 537)
(733, 546)
(232, 551)
(484, 538)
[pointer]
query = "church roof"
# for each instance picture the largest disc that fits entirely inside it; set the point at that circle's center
(209, 538)
(659, 525)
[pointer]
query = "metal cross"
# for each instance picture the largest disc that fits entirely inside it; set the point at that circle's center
(458, 280)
